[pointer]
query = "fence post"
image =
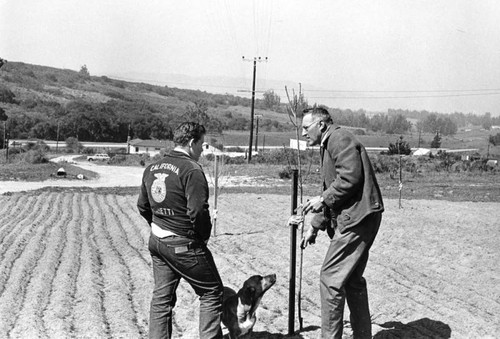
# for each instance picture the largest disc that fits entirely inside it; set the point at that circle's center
(293, 254)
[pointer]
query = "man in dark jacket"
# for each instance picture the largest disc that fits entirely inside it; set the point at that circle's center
(349, 209)
(174, 202)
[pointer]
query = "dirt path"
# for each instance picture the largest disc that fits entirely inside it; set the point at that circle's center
(119, 176)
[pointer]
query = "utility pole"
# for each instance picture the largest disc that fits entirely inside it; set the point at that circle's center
(57, 138)
(488, 153)
(257, 116)
(250, 143)
(128, 139)
(4, 133)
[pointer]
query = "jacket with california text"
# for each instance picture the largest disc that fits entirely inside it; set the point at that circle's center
(350, 188)
(174, 195)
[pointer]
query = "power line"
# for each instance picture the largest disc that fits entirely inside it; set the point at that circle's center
(406, 96)
(404, 91)
(452, 92)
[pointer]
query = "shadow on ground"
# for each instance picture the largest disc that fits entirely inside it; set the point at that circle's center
(267, 335)
(418, 329)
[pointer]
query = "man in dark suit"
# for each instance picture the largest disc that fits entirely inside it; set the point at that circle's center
(349, 209)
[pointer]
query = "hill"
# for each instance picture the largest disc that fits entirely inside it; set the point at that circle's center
(50, 103)
(43, 101)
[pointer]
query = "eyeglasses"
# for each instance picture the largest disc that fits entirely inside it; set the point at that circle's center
(306, 128)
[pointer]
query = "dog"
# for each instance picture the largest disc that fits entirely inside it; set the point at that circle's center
(238, 309)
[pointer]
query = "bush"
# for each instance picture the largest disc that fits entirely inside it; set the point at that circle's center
(73, 145)
(384, 163)
(234, 149)
(89, 150)
(35, 156)
(36, 145)
(115, 95)
(285, 173)
(399, 147)
(234, 160)
(281, 156)
(16, 150)
(7, 96)
(118, 159)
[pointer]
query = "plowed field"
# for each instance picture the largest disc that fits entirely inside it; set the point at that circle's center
(76, 265)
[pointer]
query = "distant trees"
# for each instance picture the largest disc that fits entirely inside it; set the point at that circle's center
(3, 119)
(397, 124)
(199, 113)
(436, 142)
(73, 145)
(495, 139)
(84, 72)
(487, 121)
(439, 125)
(3, 115)
(143, 111)
(7, 96)
(271, 100)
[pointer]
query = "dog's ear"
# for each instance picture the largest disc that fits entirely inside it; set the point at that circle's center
(248, 295)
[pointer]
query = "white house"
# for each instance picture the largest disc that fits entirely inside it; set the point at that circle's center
(152, 147)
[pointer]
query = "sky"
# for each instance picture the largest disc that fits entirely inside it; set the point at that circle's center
(435, 55)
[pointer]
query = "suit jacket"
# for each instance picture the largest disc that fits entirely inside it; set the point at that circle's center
(350, 189)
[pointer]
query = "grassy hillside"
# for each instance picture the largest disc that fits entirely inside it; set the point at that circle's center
(41, 101)
(37, 98)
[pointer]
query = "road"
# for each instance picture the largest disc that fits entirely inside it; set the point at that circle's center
(109, 176)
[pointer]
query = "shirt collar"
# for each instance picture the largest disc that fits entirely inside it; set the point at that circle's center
(179, 149)
(326, 135)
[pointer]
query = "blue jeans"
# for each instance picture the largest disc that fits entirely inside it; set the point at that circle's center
(342, 279)
(173, 260)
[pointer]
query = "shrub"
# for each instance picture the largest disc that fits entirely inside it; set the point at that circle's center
(285, 173)
(51, 77)
(399, 147)
(115, 95)
(35, 156)
(209, 157)
(384, 163)
(36, 145)
(16, 150)
(7, 96)
(89, 150)
(118, 159)
(234, 160)
(358, 131)
(234, 149)
(436, 142)
(73, 145)
(279, 156)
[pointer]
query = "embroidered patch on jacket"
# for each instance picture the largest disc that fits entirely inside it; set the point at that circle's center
(158, 188)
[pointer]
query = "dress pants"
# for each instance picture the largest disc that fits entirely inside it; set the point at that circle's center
(341, 279)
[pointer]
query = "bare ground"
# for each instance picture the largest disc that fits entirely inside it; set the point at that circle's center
(76, 265)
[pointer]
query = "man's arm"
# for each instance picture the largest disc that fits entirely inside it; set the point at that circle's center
(349, 167)
(197, 203)
(143, 203)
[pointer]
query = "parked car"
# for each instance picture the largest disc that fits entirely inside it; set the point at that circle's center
(100, 156)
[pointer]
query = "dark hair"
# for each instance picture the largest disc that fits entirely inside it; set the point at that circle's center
(187, 131)
(319, 112)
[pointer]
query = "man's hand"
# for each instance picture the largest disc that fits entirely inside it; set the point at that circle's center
(295, 220)
(309, 237)
(314, 205)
